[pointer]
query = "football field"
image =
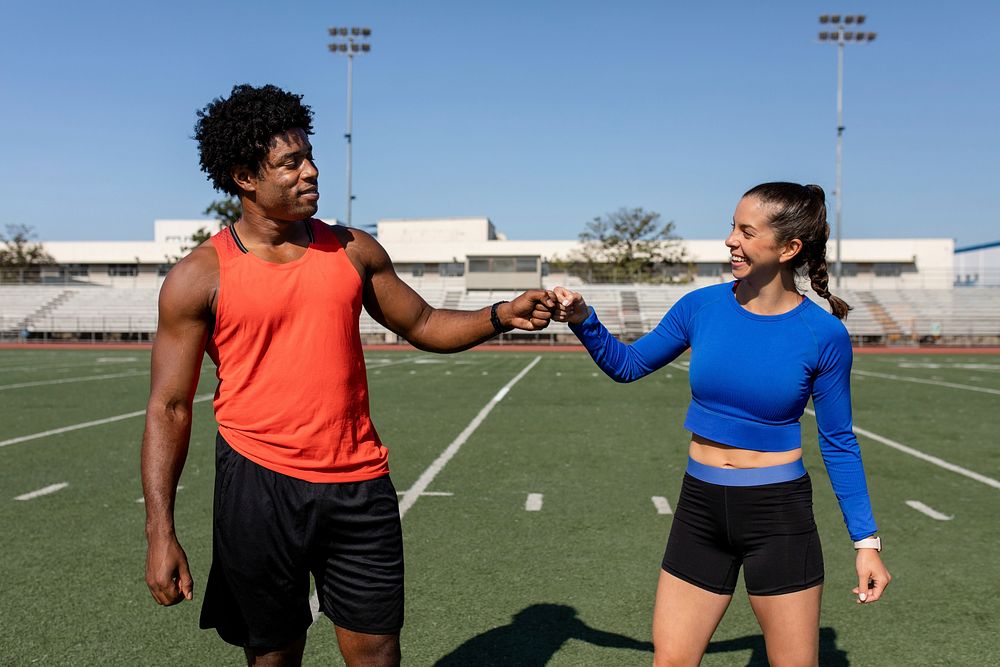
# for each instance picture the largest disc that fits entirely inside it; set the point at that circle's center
(536, 497)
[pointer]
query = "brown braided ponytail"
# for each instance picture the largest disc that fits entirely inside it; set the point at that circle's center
(800, 213)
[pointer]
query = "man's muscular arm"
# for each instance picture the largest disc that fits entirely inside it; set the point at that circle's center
(395, 305)
(185, 318)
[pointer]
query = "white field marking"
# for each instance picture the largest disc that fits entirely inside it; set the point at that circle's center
(534, 502)
(96, 422)
(992, 368)
(314, 605)
(429, 360)
(428, 493)
(380, 363)
(941, 463)
(85, 378)
(419, 488)
(51, 488)
(662, 505)
(938, 383)
(432, 471)
(929, 511)
(115, 360)
(57, 368)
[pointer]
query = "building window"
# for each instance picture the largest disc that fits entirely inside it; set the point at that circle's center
(75, 270)
(123, 269)
(163, 269)
(886, 270)
(503, 264)
(525, 264)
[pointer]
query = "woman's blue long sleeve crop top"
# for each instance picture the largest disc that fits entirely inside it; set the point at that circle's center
(751, 378)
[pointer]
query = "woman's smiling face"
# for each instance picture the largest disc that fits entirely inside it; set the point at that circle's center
(751, 243)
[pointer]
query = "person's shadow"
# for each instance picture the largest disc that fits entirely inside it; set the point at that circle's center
(532, 638)
(829, 654)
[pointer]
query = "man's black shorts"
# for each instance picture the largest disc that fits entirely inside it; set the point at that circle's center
(769, 530)
(271, 531)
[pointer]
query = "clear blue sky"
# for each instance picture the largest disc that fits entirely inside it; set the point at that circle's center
(539, 115)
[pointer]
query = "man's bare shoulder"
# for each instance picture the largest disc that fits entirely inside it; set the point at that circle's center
(364, 251)
(193, 282)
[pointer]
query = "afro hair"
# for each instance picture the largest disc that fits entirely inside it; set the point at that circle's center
(237, 131)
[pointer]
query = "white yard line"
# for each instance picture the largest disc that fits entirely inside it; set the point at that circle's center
(929, 511)
(96, 422)
(440, 494)
(534, 502)
(83, 378)
(432, 471)
(941, 463)
(662, 505)
(377, 364)
(419, 487)
(51, 488)
(936, 383)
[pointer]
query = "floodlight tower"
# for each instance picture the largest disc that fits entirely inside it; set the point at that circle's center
(843, 34)
(352, 40)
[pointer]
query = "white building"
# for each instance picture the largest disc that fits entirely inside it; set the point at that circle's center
(457, 249)
(978, 265)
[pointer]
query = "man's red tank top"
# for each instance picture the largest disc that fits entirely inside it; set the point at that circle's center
(293, 394)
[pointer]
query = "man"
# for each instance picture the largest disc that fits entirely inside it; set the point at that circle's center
(302, 483)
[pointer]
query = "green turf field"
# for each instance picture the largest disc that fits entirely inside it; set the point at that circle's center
(489, 582)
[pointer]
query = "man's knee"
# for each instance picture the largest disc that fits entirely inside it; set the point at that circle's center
(286, 656)
(364, 650)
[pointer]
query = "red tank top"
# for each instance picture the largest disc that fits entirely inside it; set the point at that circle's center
(293, 394)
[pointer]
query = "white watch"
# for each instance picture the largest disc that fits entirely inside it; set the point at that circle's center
(873, 542)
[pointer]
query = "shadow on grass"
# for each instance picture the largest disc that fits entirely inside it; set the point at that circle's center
(829, 654)
(532, 638)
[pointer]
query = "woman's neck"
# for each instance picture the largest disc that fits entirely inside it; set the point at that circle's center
(774, 297)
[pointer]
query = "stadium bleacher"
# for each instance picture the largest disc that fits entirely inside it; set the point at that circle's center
(964, 316)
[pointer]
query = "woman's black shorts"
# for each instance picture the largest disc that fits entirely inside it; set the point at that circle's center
(767, 529)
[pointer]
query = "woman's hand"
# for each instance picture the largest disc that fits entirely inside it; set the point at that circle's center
(872, 576)
(570, 306)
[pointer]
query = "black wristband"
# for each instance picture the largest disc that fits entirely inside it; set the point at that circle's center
(495, 319)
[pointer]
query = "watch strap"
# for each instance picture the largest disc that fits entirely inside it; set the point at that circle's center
(873, 542)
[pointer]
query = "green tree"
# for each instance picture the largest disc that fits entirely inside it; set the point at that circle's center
(629, 245)
(21, 259)
(226, 211)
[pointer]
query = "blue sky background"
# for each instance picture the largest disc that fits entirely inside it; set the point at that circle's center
(540, 115)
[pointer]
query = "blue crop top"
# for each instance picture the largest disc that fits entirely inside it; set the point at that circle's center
(751, 377)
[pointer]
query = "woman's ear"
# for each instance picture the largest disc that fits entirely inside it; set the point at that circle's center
(790, 250)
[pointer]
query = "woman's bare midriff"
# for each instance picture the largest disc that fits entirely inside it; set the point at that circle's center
(718, 455)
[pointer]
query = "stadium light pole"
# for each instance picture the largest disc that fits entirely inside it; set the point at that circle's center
(353, 40)
(843, 33)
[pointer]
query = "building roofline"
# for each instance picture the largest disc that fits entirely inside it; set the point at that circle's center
(978, 246)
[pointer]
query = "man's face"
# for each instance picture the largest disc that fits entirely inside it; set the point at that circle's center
(287, 185)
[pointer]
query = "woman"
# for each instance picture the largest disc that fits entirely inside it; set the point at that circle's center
(759, 350)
